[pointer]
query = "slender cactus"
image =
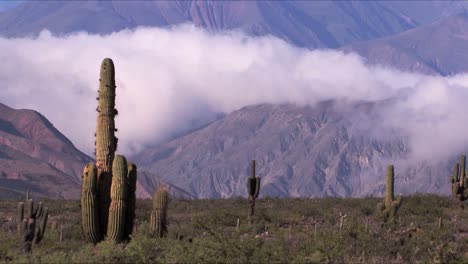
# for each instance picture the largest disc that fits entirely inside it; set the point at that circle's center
(389, 208)
(253, 189)
(158, 220)
(106, 142)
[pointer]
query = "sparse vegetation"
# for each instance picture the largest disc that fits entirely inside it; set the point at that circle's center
(284, 231)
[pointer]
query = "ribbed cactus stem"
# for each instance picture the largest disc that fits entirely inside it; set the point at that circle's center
(106, 142)
(158, 221)
(389, 186)
(89, 206)
(131, 179)
(118, 206)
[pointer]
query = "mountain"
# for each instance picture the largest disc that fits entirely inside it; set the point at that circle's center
(437, 48)
(300, 151)
(35, 156)
(313, 24)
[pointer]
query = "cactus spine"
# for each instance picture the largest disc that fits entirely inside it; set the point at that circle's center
(32, 226)
(158, 220)
(390, 207)
(89, 206)
(459, 180)
(106, 195)
(253, 188)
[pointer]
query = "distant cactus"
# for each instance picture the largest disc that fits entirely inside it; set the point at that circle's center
(31, 227)
(253, 189)
(108, 187)
(459, 180)
(158, 221)
(389, 208)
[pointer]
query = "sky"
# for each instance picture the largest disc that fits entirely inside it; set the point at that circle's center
(167, 78)
(7, 4)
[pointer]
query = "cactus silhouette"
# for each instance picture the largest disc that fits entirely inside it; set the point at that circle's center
(108, 188)
(389, 208)
(459, 180)
(158, 220)
(253, 189)
(31, 227)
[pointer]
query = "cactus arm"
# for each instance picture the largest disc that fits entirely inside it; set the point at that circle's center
(132, 178)
(89, 205)
(42, 225)
(118, 206)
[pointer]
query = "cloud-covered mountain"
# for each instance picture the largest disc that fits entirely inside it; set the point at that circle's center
(324, 150)
(319, 122)
(314, 24)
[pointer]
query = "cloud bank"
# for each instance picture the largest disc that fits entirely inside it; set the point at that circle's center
(167, 79)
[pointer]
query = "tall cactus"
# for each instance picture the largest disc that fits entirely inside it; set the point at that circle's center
(389, 208)
(106, 142)
(158, 220)
(253, 189)
(108, 197)
(459, 180)
(89, 205)
(31, 227)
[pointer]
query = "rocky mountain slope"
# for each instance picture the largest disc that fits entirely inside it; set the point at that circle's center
(437, 48)
(312, 24)
(35, 156)
(300, 151)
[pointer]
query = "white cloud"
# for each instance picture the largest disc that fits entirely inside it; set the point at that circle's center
(168, 77)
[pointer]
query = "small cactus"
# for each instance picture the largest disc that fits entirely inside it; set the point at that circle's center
(459, 180)
(389, 208)
(31, 227)
(158, 221)
(253, 189)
